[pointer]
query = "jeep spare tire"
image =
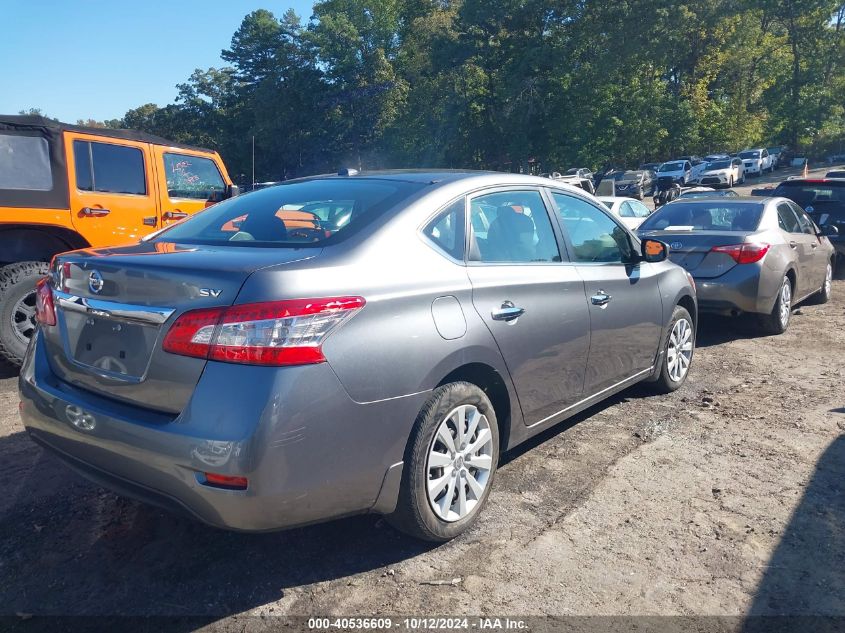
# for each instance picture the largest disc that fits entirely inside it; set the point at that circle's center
(17, 308)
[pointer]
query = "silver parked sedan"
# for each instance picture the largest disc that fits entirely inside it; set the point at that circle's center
(348, 344)
(747, 255)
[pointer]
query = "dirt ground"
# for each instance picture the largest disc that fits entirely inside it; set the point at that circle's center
(724, 498)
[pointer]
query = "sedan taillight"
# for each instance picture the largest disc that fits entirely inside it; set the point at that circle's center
(45, 310)
(744, 253)
(273, 333)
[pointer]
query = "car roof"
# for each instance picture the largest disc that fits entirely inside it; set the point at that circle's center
(738, 200)
(35, 122)
(836, 182)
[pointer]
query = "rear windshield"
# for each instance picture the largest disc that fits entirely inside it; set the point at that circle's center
(709, 194)
(718, 215)
(749, 154)
(293, 215)
(813, 195)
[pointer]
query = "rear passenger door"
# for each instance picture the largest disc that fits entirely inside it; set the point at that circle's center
(112, 190)
(818, 265)
(802, 245)
(188, 180)
(532, 303)
(626, 313)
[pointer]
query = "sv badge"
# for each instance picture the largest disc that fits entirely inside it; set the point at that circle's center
(210, 292)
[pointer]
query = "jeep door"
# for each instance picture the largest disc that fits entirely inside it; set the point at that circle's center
(189, 181)
(113, 197)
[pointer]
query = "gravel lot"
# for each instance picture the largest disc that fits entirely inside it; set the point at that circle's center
(724, 498)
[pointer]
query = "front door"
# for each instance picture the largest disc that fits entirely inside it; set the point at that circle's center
(112, 189)
(189, 182)
(533, 304)
(625, 307)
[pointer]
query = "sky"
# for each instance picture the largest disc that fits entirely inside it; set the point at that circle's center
(91, 59)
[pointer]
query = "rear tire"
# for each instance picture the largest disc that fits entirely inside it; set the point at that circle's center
(17, 308)
(777, 321)
(678, 349)
(824, 294)
(468, 474)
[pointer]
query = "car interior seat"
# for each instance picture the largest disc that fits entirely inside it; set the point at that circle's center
(511, 236)
(262, 227)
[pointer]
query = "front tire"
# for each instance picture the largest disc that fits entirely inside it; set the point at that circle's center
(777, 321)
(450, 463)
(678, 348)
(17, 308)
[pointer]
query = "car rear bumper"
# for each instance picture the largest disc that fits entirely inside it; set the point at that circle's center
(309, 451)
(744, 288)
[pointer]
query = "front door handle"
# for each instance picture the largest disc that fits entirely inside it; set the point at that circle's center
(94, 212)
(173, 215)
(508, 312)
(600, 299)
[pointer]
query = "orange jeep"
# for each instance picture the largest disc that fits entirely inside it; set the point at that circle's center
(64, 187)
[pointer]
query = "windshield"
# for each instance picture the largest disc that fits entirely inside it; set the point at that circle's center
(755, 154)
(632, 175)
(677, 166)
(572, 172)
(298, 214)
(813, 195)
(719, 164)
(718, 215)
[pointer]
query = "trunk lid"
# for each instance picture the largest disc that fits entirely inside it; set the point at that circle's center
(692, 250)
(114, 306)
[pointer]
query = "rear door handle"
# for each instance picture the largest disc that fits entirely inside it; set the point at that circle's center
(793, 245)
(173, 215)
(94, 212)
(508, 312)
(600, 299)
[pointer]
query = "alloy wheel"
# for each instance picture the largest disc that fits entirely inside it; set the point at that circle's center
(785, 302)
(828, 279)
(679, 350)
(23, 317)
(459, 462)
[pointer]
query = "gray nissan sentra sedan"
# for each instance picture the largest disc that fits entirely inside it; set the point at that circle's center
(748, 255)
(348, 344)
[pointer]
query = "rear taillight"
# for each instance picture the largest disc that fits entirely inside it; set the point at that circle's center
(227, 482)
(274, 333)
(743, 253)
(45, 310)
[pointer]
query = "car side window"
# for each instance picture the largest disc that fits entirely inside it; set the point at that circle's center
(594, 235)
(625, 210)
(108, 168)
(804, 221)
(640, 210)
(511, 227)
(787, 220)
(191, 177)
(446, 230)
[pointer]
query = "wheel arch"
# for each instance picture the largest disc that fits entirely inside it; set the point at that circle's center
(491, 383)
(35, 242)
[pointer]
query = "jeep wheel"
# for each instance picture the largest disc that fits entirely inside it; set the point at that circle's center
(17, 308)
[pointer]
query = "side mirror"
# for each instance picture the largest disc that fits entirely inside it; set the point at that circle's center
(654, 251)
(231, 191)
(830, 230)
